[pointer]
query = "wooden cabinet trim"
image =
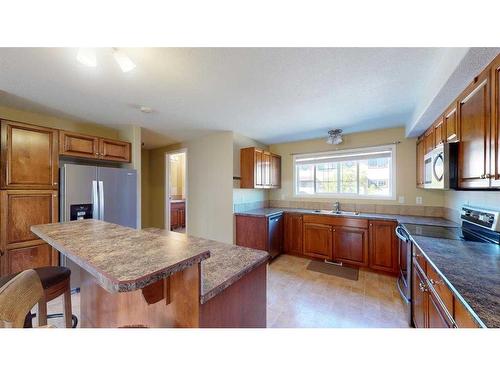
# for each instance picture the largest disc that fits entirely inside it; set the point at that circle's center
(104, 154)
(65, 142)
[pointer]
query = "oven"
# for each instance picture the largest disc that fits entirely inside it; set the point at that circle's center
(404, 262)
(440, 167)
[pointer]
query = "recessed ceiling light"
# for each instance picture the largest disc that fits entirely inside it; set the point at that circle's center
(145, 109)
(86, 56)
(123, 60)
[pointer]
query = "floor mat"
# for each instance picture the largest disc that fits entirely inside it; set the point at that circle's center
(333, 269)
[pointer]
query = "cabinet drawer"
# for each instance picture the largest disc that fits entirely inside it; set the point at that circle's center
(440, 288)
(336, 221)
(419, 258)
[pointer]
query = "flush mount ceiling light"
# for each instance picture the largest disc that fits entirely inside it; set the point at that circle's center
(87, 57)
(146, 109)
(334, 137)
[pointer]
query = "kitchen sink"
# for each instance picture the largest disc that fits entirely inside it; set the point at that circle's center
(328, 212)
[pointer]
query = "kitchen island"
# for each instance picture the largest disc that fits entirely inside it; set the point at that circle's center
(158, 279)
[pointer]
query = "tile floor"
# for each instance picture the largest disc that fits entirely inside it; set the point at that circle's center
(300, 298)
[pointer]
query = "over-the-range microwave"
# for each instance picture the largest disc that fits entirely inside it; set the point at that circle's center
(441, 167)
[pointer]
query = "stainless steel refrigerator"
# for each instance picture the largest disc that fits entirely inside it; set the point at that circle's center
(104, 193)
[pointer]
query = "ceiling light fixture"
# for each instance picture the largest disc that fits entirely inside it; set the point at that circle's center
(334, 137)
(146, 109)
(123, 60)
(86, 56)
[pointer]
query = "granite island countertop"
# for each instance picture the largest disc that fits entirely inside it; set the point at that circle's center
(471, 270)
(226, 265)
(402, 219)
(122, 259)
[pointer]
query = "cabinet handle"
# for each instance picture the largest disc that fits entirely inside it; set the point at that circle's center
(422, 287)
(55, 183)
(434, 282)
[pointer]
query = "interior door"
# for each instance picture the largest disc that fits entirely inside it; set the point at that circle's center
(118, 195)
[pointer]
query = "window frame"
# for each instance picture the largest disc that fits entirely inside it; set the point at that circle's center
(392, 165)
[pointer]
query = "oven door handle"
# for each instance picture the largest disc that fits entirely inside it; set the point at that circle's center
(403, 237)
(403, 296)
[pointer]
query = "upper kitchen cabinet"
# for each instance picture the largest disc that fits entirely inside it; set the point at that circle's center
(29, 157)
(420, 162)
(90, 147)
(259, 169)
(450, 126)
(439, 131)
(495, 123)
(474, 125)
(110, 149)
(429, 140)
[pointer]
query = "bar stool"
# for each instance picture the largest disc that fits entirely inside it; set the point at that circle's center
(55, 282)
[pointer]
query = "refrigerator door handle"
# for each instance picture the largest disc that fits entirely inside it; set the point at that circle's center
(101, 200)
(95, 201)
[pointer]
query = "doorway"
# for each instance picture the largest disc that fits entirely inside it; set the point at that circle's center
(176, 191)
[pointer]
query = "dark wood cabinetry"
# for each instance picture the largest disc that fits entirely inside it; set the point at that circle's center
(429, 140)
(260, 232)
(450, 124)
(474, 122)
(318, 240)
(383, 246)
(419, 298)
(420, 162)
(259, 169)
(350, 245)
(439, 131)
(495, 123)
(29, 158)
(90, 147)
(293, 234)
(177, 215)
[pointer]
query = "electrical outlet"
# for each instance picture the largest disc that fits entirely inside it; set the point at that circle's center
(419, 200)
(401, 199)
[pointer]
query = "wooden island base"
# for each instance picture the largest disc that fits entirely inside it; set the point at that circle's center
(175, 302)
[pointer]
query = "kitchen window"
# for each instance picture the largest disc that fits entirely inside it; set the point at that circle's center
(367, 173)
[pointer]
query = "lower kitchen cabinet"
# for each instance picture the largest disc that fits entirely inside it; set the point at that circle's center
(419, 298)
(177, 215)
(350, 245)
(293, 234)
(17, 260)
(383, 246)
(436, 316)
(318, 240)
(261, 233)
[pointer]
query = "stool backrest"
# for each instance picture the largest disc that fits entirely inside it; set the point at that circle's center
(17, 298)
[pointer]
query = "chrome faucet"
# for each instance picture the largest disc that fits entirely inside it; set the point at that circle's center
(336, 206)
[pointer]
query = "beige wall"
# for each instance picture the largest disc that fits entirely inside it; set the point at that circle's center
(145, 191)
(245, 198)
(209, 186)
(405, 166)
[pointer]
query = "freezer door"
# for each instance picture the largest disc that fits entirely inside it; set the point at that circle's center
(77, 183)
(118, 195)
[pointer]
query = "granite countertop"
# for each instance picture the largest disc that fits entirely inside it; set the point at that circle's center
(226, 265)
(403, 219)
(471, 270)
(122, 259)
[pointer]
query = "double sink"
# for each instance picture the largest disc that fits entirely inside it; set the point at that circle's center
(333, 212)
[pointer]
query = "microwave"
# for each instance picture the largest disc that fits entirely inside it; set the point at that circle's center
(441, 167)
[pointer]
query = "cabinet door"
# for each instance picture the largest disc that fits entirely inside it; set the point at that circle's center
(495, 124)
(429, 140)
(22, 209)
(318, 240)
(78, 145)
(420, 162)
(293, 234)
(17, 260)
(258, 168)
(350, 245)
(182, 217)
(113, 150)
(383, 246)
(275, 171)
(436, 317)
(438, 131)
(275, 233)
(419, 299)
(474, 122)
(29, 156)
(463, 318)
(174, 217)
(450, 123)
(266, 169)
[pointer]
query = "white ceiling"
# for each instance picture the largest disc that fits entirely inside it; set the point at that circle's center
(269, 94)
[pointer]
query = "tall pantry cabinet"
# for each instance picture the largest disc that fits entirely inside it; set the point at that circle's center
(28, 194)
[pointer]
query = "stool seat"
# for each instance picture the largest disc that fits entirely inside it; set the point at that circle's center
(49, 276)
